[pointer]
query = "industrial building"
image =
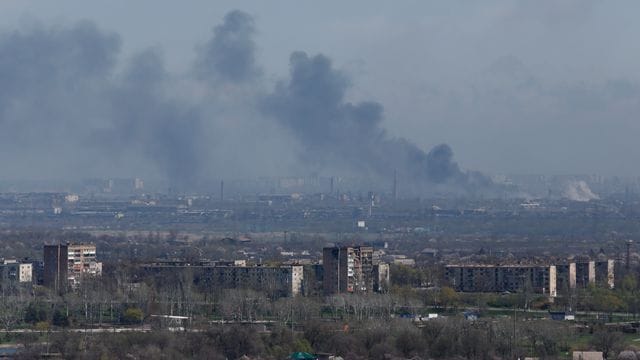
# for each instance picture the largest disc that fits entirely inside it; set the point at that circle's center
(351, 269)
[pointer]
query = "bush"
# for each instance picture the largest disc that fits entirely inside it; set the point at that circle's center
(132, 316)
(35, 312)
(60, 319)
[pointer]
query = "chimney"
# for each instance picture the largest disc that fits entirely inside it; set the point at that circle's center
(395, 184)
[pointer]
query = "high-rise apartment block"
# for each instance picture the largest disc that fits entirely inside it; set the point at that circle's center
(66, 264)
(56, 266)
(351, 269)
(82, 262)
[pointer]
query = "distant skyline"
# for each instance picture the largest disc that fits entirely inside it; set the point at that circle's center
(512, 86)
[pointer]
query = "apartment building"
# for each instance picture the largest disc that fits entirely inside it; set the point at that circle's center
(56, 266)
(13, 274)
(66, 265)
(82, 262)
(278, 281)
(539, 279)
(351, 269)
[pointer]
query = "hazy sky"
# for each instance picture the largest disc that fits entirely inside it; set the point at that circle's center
(511, 86)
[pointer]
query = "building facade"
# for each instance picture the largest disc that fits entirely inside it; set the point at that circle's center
(14, 274)
(16, 271)
(350, 269)
(539, 279)
(277, 281)
(566, 276)
(585, 273)
(56, 265)
(604, 273)
(82, 262)
(381, 277)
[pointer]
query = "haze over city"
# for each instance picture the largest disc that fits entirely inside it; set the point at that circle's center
(160, 90)
(271, 180)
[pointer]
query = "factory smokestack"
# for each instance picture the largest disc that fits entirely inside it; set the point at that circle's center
(331, 189)
(221, 190)
(395, 184)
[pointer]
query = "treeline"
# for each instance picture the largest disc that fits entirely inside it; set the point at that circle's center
(451, 338)
(232, 323)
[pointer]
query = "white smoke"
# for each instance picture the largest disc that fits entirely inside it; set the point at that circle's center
(579, 191)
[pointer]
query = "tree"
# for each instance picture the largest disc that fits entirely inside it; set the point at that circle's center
(238, 341)
(60, 319)
(403, 275)
(409, 342)
(607, 341)
(448, 296)
(132, 316)
(35, 312)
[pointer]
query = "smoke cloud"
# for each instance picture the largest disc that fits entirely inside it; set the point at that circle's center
(65, 112)
(337, 133)
(579, 191)
(230, 54)
(68, 110)
(166, 130)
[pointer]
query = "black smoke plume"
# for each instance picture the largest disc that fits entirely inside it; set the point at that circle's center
(67, 111)
(166, 130)
(230, 54)
(64, 112)
(335, 132)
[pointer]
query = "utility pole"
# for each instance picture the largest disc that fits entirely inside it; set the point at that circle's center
(515, 315)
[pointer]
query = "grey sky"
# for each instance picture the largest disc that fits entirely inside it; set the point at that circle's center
(512, 86)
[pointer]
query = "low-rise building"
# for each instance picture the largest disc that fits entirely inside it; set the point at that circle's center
(14, 274)
(17, 271)
(587, 355)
